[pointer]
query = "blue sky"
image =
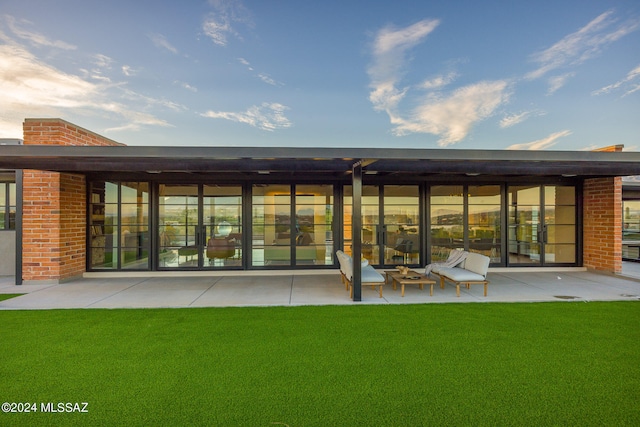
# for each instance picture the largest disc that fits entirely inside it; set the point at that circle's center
(554, 75)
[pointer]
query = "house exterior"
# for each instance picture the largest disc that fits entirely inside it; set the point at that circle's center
(85, 203)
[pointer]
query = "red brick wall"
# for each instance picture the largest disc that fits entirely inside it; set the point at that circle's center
(602, 214)
(54, 206)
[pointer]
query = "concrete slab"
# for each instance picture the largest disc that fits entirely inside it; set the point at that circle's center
(158, 292)
(247, 291)
(289, 289)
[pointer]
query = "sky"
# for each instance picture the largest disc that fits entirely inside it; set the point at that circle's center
(523, 75)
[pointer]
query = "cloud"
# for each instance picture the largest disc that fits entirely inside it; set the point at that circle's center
(261, 76)
(267, 116)
(24, 79)
(389, 50)
(452, 118)
(630, 84)
(128, 71)
(556, 82)
(33, 88)
(161, 42)
(186, 86)
(221, 23)
(34, 38)
(541, 144)
(102, 61)
(439, 81)
(137, 120)
(268, 80)
(584, 44)
(514, 119)
(246, 63)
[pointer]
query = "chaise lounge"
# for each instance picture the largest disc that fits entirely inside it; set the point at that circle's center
(369, 275)
(471, 271)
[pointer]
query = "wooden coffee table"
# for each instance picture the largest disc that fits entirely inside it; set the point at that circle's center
(411, 278)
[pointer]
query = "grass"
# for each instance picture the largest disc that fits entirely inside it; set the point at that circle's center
(8, 296)
(564, 363)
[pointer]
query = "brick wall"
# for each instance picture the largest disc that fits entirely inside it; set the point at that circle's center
(54, 207)
(602, 214)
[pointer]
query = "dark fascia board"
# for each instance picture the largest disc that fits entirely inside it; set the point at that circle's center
(297, 159)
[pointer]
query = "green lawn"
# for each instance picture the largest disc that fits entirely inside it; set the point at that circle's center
(8, 296)
(564, 363)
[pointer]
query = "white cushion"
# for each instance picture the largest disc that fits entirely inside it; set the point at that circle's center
(477, 263)
(461, 275)
(436, 268)
(370, 275)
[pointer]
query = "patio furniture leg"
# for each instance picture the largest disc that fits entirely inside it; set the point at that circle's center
(380, 286)
(485, 289)
(457, 289)
(441, 282)
(402, 289)
(431, 290)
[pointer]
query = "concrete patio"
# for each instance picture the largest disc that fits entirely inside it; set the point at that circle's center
(309, 288)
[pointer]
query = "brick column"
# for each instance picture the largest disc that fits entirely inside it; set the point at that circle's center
(54, 207)
(602, 216)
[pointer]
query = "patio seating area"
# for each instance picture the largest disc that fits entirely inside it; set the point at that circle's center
(307, 288)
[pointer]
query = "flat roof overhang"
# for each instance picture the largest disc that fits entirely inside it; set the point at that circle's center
(74, 159)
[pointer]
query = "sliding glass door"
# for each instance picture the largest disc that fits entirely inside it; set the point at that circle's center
(200, 226)
(390, 224)
(542, 225)
(292, 225)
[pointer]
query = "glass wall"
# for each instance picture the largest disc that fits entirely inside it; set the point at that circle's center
(390, 223)
(7, 205)
(314, 219)
(401, 207)
(524, 224)
(201, 226)
(272, 238)
(178, 224)
(279, 241)
(222, 216)
(559, 232)
(466, 217)
(631, 230)
(119, 225)
(542, 224)
(370, 233)
(484, 224)
(447, 220)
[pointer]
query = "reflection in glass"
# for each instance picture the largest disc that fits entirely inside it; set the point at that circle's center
(524, 224)
(119, 225)
(484, 220)
(222, 218)
(178, 221)
(401, 224)
(271, 219)
(305, 239)
(314, 219)
(560, 220)
(631, 230)
(447, 220)
(370, 222)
